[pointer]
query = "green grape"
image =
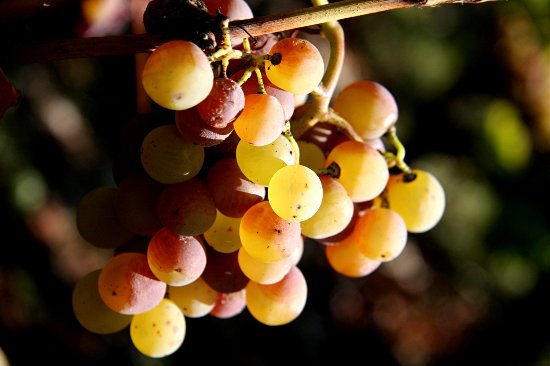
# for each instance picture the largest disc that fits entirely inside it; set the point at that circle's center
(177, 75)
(175, 259)
(195, 299)
(334, 214)
(168, 158)
(363, 170)
(376, 113)
(261, 121)
(160, 331)
(296, 65)
(90, 310)
(278, 303)
(295, 193)
(128, 286)
(223, 235)
(311, 155)
(263, 272)
(420, 201)
(266, 236)
(380, 234)
(259, 163)
(346, 259)
(96, 219)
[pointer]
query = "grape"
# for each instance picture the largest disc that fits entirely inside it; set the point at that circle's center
(168, 158)
(311, 155)
(334, 239)
(334, 214)
(90, 310)
(195, 299)
(295, 193)
(263, 272)
(223, 272)
(259, 163)
(250, 86)
(175, 259)
(325, 135)
(127, 285)
(135, 203)
(266, 236)
(380, 234)
(192, 127)
(160, 331)
(223, 104)
(187, 208)
(229, 304)
(278, 303)
(223, 235)
(233, 9)
(363, 170)
(420, 202)
(300, 67)
(376, 113)
(261, 121)
(96, 220)
(232, 192)
(346, 259)
(177, 75)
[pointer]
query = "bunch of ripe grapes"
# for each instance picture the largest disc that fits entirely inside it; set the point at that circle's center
(211, 214)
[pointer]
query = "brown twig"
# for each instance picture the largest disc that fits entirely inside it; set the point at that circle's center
(143, 43)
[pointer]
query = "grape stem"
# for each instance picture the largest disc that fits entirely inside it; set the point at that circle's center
(61, 49)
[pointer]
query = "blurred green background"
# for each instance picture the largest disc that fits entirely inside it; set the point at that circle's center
(472, 83)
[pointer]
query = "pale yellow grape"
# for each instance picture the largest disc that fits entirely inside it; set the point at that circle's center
(168, 158)
(334, 214)
(380, 234)
(420, 202)
(296, 65)
(223, 235)
(90, 310)
(345, 258)
(259, 163)
(279, 303)
(160, 331)
(295, 193)
(363, 170)
(195, 300)
(311, 155)
(177, 75)
(263, 272)
(376, 112)
(261, 121)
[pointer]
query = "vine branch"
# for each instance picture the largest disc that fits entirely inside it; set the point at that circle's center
(58, 49)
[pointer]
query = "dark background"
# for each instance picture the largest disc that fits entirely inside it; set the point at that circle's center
(472, 83)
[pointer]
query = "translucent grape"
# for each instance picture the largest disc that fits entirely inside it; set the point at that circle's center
(175, 259)
(96, 220)
(232, 192)
(259, 163)
(420, 202)
(160, 331)
(295, 193)
(223, 104)
(380, 234)
(195, 299)
(334, 214)
(229, 305)
(279, 303)
(363, 170)
(177, 75)
(90, 310)
(263, 272)
(127, 285)
(376, 113)
(296, 65)
(223, 235)
(261, 121)
(266, 236)
(187, 208)
(168, 158)
(346, 259)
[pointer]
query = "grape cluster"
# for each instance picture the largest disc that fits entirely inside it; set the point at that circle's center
(213, 216)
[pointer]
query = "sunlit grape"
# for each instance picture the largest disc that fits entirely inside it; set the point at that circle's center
(223, 104)
(195, 299)
(346, 259)
(263, 272)
(223, 235)
(261, 121)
